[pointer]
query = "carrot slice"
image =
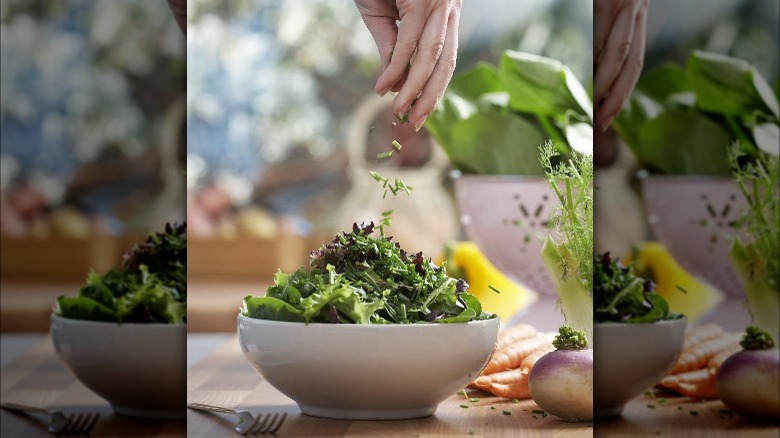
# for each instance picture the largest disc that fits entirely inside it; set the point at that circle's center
(714, 364)
(503, 377)
(529, 361)
(697, 384)
(518, 390)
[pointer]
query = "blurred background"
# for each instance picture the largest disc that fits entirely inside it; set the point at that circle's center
(703, 215)
(92, 146)
(283, 124)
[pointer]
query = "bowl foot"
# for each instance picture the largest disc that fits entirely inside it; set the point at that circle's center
(367, 414)
(607, 412)
(165, 414)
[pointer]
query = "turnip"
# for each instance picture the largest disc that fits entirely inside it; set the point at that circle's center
(748, 382)
(561, 382)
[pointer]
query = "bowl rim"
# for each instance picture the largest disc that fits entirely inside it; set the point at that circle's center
(367, 326)
(674, 321)
(88, 323)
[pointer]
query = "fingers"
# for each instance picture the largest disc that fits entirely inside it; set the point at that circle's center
(436, 85)
(604, 13)
(615, 51)
(410, 31)
(629, 74)
(429, 49)
(385, 32)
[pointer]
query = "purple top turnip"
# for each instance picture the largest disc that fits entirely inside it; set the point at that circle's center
(749, 381)
(561, 382)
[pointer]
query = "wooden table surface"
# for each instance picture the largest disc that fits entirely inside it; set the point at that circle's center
(225, 378)
(683, 417)
(37, 377)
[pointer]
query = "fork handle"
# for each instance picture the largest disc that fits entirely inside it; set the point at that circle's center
(202, 407)
(23, 408)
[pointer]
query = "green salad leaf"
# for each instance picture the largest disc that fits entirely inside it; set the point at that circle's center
(681, 120)
(493, 119)
(362, 279)
(619, 295)
(151, 286)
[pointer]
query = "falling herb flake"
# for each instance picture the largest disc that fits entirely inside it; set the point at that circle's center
(493, 408)
(394, 188)
(498, 292)
(385, 154)
(397, 145)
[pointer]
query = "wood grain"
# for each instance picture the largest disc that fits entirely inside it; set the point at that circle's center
(684, 417)
(225, 378)
(39, 378)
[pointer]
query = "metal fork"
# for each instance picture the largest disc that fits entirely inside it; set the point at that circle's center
(247, 423)
(59, 423)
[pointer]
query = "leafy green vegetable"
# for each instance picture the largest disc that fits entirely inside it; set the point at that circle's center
(621, 296)
(492, 120)
(757, 339)
(151, 287)
(360, 279)
(570, 261)
(756, 259)
(682, 120)
(570, 339)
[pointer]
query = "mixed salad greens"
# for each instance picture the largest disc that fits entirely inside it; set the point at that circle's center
(150, 286)
(681, 120)
(493, 119)
(619, 295)
(365, 279)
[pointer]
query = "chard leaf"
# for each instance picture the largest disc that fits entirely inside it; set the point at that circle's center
(729, 85)
(270, 308)
(542, 86)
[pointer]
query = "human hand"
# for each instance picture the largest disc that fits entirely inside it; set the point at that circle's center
(618, 50)
(418, 54)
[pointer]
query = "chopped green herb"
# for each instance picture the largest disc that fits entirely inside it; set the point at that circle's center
(505, 412)
(514, 400)
(661, 400)
(694, 413)
(385, 154)
(493, 408)
(679, 408)
(651, 406)
(464, 406)
(397, 145)
(494, 289)
(473, 400)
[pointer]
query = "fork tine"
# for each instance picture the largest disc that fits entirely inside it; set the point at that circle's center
(258, 423)
(273, 430)
(91, 423)
(70, 421)
(78, 427)
(268, 424)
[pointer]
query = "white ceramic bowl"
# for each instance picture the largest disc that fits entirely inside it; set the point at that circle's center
(141, 369)
(506, 217)
(694, 218)
(367, 372)
(630, 358)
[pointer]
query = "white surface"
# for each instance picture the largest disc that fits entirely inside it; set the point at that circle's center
(367, 371)
(139, 368)
(630, 358)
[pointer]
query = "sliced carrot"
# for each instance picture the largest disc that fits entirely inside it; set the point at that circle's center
(697, 384)
(529, 361)
(714, 364)
(702, 333)
(699, 355)
(515, 333)
(512, 355)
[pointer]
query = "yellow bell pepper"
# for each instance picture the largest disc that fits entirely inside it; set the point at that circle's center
(654, 261)
(465, 260)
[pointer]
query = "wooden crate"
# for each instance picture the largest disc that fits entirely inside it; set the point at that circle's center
(247, 258)
(58, 257)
